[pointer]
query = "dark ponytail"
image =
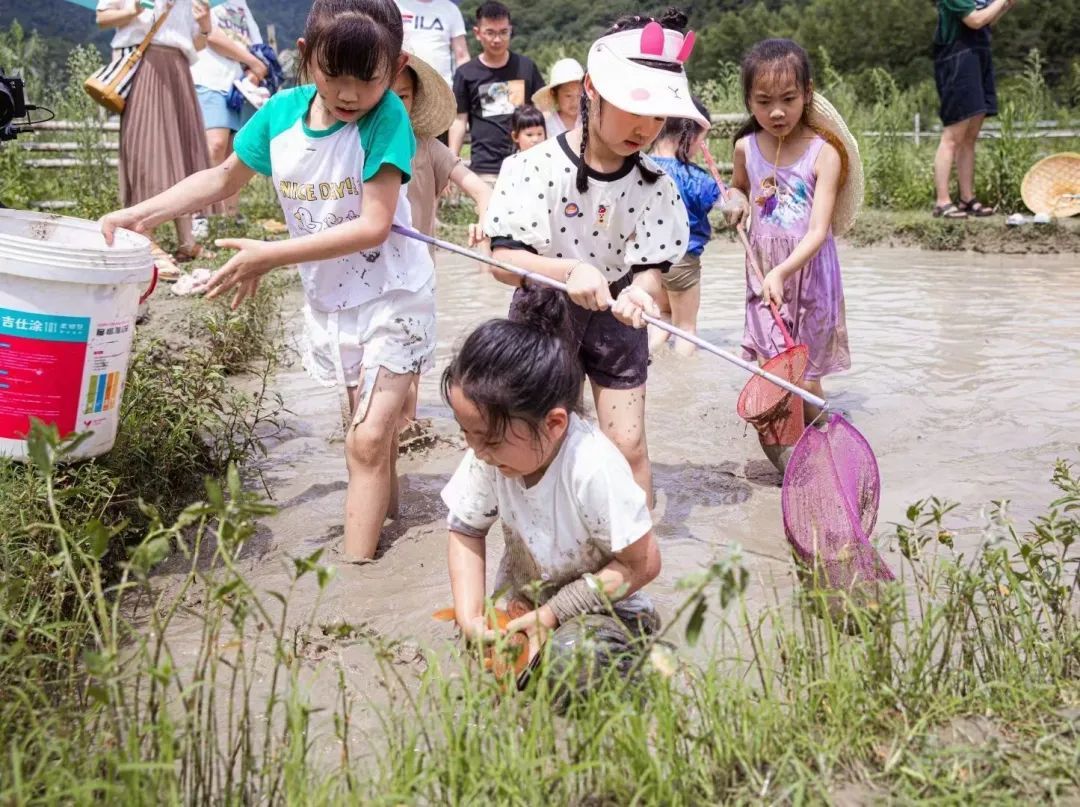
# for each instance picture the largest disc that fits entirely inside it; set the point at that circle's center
(673, 19)
(520, 369)
(683, 131)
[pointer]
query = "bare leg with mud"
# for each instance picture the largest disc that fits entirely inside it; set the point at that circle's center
(621, 413)
(811, 412)
(370, 453)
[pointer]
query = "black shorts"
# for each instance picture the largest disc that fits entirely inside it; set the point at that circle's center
(964, 75)
(614, 355)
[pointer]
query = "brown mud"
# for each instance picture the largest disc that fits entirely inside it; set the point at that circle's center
(965, 383)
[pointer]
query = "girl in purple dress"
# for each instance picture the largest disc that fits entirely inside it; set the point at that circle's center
(790, 169)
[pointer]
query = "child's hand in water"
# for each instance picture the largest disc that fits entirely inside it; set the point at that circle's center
(588, 287)
(772, 290)
(631, 306)
(243, 271)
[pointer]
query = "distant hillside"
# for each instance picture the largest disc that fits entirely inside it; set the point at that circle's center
(854, 36)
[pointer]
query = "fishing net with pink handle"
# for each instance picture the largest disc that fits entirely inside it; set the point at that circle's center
(830, 501)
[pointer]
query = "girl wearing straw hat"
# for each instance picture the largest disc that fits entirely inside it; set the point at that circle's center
(587, 208)
(560, 98)
(797, 168)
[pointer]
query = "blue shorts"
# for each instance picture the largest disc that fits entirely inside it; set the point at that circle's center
(216, 113)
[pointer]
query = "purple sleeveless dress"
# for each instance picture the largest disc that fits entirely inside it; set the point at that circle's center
(814, 296)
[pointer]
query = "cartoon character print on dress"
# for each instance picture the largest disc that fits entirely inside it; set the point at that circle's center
(783, 202)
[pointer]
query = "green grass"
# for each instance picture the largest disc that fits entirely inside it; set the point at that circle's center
(957, 684)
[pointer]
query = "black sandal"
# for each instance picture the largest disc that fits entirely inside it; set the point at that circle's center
(949, 211)
(973, 207)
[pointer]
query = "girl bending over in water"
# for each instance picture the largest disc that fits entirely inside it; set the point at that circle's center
(577, 529)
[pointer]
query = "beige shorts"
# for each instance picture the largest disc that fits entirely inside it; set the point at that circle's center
(346, 348)
(683, 275)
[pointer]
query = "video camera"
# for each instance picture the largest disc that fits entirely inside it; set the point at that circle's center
(12, 106)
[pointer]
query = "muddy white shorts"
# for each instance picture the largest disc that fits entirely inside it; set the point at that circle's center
(396, 331)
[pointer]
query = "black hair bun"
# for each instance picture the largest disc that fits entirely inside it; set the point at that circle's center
(544, 308)
(674, 19)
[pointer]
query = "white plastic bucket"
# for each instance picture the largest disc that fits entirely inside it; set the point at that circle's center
(68, 304)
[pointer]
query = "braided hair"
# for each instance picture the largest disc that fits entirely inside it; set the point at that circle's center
(673, 19)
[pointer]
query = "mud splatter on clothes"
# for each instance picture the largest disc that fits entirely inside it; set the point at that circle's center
(584, 509)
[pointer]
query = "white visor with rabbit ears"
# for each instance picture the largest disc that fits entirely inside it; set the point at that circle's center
(638, 88)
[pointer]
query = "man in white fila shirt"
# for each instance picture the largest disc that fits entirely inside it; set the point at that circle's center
(435, 31)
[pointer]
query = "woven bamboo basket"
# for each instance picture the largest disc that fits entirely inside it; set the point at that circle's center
(1052, 185)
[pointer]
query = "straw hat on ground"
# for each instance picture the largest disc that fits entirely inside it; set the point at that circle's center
(434, 106)
(1052, 185)
(562, 72)
(826, 121)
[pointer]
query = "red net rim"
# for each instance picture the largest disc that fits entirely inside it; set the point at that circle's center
(762, 401)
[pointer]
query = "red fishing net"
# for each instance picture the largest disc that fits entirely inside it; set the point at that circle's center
(776, 413)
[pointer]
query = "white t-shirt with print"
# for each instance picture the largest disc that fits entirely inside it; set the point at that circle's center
(620, 222)
(430, 28)
(319, 178)
(584, 509)
(178, 31)
(217, 72)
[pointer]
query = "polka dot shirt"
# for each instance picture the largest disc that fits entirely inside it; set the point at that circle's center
(621, 223)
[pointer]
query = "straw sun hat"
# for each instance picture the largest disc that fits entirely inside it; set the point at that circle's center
(1052, 185)
(562, 72)
(826, 120)
(434, 107)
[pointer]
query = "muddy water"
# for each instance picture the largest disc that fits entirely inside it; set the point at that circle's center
(965, 383)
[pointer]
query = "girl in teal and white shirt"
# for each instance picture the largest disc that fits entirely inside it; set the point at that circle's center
(339, 151)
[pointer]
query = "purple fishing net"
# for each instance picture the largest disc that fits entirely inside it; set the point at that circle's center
(830, 500)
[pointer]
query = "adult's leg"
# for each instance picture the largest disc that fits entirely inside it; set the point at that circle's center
(219, 143)
(951, 138)
(965, 156)
(185, 240)
(684, 312)
(621, 413)
(368, 446)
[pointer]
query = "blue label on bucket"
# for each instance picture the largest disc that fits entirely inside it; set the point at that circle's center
(48, 327)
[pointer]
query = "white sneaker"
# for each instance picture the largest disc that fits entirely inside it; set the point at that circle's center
(200, 228)
(255, 95)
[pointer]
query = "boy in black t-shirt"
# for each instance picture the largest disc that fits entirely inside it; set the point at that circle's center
(488, 88)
